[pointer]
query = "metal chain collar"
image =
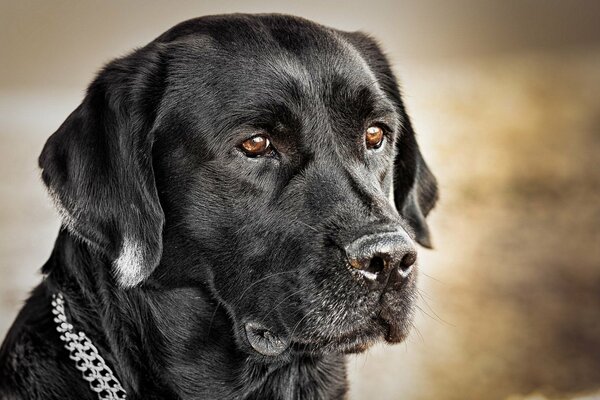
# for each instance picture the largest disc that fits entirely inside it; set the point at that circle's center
(87, 360)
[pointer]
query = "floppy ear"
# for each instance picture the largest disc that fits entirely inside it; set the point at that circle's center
(415, 187)
(98, 168)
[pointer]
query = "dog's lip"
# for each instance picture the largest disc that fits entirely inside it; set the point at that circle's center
(354, 340)
(347, 343)
(396, 330)
(387, 325)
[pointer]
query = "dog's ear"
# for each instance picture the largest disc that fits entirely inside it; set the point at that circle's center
(415, 187)
(98, 168)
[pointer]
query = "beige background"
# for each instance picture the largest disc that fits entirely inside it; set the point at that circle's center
(505, 98)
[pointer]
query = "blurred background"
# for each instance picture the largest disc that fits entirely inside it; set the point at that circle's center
(505, 98)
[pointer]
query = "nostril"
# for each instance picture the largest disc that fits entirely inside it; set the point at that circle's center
(383, 259)
(376, 265)
(408, 260)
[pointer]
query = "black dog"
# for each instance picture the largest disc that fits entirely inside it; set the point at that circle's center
(227, 230)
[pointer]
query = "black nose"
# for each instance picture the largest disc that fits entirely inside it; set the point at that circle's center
(383, 259)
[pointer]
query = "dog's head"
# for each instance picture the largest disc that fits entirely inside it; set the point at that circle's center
(266, 159)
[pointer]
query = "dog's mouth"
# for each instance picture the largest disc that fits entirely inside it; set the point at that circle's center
(358, 340)
(352, 326)
(386, 326)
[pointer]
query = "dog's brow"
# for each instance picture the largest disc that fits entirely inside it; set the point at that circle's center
(285, 68)
(356, 56)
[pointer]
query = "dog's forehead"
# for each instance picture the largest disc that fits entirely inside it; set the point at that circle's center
(266, 51)
(232, 72)
(242, 37)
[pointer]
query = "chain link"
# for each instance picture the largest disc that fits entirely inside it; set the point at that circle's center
(87, 360)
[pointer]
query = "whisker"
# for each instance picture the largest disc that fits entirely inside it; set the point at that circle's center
(261, 280)
(433, 311)
(431, 277)
(418, 332)
(282, 301)
(423, 294)
(436, 318)
(302, 319)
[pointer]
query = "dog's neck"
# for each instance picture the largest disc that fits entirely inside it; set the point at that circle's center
(156, 350)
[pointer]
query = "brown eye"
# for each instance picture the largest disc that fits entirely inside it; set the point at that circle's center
(256, 146)
(374, 137)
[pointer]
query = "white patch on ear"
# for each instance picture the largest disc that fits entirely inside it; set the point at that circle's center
(129, 265)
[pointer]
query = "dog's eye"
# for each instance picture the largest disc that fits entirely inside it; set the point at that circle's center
(374, 137)
(256, 146)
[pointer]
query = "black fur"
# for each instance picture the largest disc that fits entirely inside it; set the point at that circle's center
(173, 240)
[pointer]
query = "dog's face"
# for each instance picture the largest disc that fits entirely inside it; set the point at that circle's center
(255, 157)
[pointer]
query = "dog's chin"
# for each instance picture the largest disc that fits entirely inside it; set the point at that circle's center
(395, 330)
(391, 333)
